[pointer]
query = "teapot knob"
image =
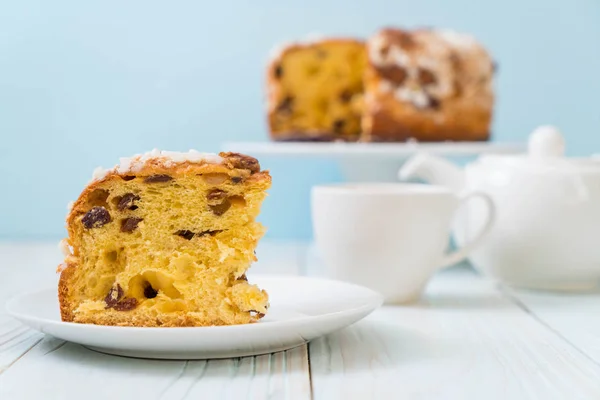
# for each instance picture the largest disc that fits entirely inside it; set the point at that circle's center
(546, 141)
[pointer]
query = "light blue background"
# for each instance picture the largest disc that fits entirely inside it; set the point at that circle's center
(82, 83)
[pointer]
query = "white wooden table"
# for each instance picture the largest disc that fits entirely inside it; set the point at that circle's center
(467, 339)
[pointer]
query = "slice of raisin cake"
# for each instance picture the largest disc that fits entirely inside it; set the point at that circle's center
(165, 239)
(315, 90)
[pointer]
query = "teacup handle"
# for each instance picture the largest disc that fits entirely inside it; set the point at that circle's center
(462, 253)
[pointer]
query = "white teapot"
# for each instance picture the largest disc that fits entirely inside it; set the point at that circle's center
(547, 229)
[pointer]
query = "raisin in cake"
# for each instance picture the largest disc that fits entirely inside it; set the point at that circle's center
(315, 90)
(165, 239)
(429, 85)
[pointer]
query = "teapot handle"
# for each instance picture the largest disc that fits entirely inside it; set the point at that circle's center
(460, 254)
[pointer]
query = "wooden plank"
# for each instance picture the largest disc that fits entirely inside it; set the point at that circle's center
(463, 340)
(72, 371)
(573, 316)
(23, 267)
(281, 375)
(15, 340)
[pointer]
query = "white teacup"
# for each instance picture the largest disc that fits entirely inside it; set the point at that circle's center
(390, 237)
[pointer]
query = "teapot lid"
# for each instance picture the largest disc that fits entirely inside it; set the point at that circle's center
(545, 150)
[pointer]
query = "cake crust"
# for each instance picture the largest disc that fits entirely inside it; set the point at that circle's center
(240, 170)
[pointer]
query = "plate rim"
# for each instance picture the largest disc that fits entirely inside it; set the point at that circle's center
(377, 301)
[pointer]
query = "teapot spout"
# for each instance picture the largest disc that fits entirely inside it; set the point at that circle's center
(434, 170)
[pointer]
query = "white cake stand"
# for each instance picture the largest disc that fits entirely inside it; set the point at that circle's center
(370, 162)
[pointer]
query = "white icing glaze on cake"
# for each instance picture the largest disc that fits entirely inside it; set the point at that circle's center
(467, 44)
(166, 158)
(399, 56)
(65, 248)
(374, 48)
(277, 50)
(99, 173)
(386, 87)
(432, 51)
(457, 39)
(418, 97)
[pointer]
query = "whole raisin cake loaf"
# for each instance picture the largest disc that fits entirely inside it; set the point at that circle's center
(315, 90)
(428, 85)
(422, 84)
(165, 239)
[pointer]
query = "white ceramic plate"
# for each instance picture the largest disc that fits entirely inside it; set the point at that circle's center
(302, 309)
